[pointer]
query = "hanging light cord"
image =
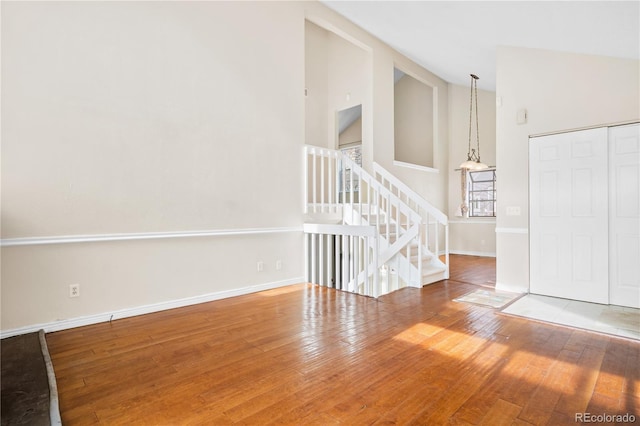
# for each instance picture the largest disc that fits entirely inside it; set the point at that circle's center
(475, 86)
(473, 155)
(470, 119)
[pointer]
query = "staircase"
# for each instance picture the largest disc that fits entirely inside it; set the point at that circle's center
(368, 235)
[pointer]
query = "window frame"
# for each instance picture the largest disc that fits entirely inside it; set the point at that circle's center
(473, 201)
(357, 148)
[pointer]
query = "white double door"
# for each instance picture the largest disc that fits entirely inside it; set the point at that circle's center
(585, 215)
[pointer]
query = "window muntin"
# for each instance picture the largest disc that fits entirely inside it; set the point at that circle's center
(353, 152)
(481, 193)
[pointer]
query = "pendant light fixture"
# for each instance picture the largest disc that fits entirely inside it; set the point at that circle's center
(473, 157)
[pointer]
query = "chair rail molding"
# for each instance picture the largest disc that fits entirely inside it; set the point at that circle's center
(512, 230)
(66, 239)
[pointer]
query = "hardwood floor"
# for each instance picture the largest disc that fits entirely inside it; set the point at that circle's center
(309, 355)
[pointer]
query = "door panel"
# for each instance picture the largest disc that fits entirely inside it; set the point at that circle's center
(549, 256)
(582, 193)
(569, 215)
(549, 197)
(624, 224)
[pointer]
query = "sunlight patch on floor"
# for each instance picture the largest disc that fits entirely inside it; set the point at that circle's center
(282, 290)
(418, 333)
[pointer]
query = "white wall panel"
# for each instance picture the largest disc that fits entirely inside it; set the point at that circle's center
(624, 222)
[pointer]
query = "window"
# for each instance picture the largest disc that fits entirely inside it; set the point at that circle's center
(481, 193)
(350, 143)
(353, 152)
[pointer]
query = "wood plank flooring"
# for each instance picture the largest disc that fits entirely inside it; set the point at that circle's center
(309, 355)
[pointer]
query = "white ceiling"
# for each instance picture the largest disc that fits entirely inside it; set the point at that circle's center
(453, 39)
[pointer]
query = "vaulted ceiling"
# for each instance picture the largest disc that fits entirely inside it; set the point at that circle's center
(455, 38)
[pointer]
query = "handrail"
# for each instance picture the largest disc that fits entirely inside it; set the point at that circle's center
(381, 188)
(355, 267)
(422, 205)
(336, 229)
(376, 211)
(335, 184)
(381, 194)
(417, 198)
(363, 174)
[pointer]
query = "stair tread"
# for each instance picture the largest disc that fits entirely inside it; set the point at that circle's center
(434, 269)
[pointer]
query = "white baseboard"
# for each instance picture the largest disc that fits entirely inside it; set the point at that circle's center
(146, 309)
(473, 253)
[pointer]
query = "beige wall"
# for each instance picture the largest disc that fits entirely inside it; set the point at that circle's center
(141, 126)
(413, 122)
(373, 87)
(337, 77)
(316, 84)
(349, 82)
(132, 117)
(352, 134)
(136, 117)
(138, 275)
(470, 235)
(560, 91)
(431, 183)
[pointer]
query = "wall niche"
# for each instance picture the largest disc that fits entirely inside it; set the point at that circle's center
(414, 118)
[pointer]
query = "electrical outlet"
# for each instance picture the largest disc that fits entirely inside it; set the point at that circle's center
(260, 266)
(74, 290)
(278, 265)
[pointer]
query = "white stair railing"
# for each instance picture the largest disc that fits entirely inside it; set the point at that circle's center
(337, 186)
(344, 257)
(430, 215)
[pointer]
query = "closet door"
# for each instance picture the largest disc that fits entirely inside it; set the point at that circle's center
(624, 215)
(568, 215)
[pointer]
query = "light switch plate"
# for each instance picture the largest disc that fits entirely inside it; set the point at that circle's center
(521, 117)
(513, 210)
